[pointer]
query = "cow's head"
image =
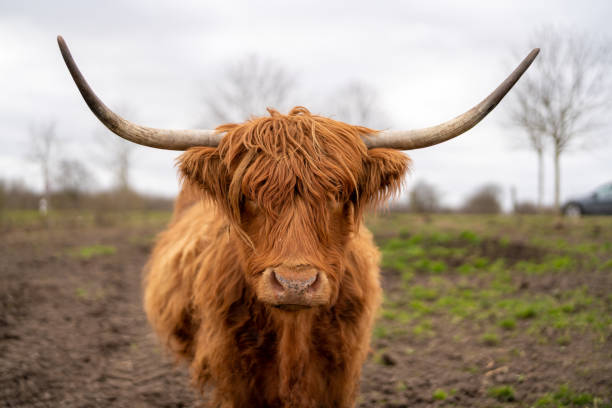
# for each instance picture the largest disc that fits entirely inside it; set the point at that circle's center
(293, 187)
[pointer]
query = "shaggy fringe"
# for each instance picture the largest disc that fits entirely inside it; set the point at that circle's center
(272, 161)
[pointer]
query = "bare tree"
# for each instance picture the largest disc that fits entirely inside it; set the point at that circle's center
(358, 103)
(247, 88)
(73, 179)
(524, 116)
(424, 198)
(566, 95)
(485, 200)
(44, 144)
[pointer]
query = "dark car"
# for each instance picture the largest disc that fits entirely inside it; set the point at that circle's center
(598, 202)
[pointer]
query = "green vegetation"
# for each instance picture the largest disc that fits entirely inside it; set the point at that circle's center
(565, 397)
(564, 340)
(470, 237)
(508, 324)
(31, 219)
(440, 395)
(88, 252)
(502, 393)
(506, 304)
(382, 357)
(474, 272)
(490, 339)
(380, 332)
(525, 312)
(23, 217)
(498, 284)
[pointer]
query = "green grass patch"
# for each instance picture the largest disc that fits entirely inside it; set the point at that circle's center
(90, 251)
(430, 266)
(500, 301)
(32, 219)
(502, 393)
(607, 265)
(480, 262)
(380, 332)
(565, 397)
(420, 292)
(396, 315)
(564, 340)
(378, 356)
(423, 328)
(507, 324)
(470, 237)
(525, 312)
(482, 269)
(490, 339)
(558, 263)
(24, 218)
(439, 395)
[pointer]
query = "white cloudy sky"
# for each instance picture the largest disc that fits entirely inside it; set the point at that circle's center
(429, 62)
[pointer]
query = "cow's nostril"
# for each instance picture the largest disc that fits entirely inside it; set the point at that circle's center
(275, 282)
(295, 284)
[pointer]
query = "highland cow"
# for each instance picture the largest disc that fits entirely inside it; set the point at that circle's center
(266, 281)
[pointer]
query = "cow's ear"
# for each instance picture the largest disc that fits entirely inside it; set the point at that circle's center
(202, 167)
(384, 172)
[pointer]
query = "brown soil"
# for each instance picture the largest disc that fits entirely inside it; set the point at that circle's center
(73, 334)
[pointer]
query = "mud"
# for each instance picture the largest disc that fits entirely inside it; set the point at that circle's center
(73, 334)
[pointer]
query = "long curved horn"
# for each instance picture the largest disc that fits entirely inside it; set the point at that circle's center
(170, 139)
(419, 138)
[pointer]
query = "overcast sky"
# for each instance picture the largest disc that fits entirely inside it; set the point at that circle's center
(429, 61)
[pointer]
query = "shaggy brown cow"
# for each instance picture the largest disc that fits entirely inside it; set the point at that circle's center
(266, 280)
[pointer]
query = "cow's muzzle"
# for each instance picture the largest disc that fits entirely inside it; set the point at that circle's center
(294, 287)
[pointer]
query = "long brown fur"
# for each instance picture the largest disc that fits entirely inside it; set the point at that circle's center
(278, 188)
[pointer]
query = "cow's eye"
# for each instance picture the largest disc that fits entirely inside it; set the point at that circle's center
(251, 206)
(335, 204)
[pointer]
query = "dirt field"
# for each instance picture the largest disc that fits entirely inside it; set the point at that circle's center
(478, 312)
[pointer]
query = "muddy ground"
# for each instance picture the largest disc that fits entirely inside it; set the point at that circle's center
(73, 334)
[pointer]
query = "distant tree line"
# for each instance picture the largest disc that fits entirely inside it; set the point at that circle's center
(425, 198)
(17, 196)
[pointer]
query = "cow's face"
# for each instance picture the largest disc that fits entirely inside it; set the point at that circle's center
(294, 188)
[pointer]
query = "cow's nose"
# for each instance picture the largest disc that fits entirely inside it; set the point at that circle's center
(294, 287)
(295, 282)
